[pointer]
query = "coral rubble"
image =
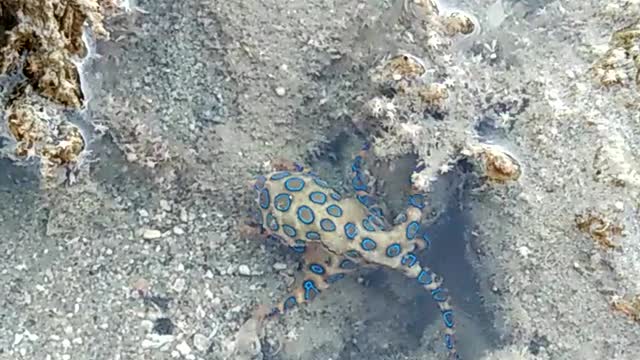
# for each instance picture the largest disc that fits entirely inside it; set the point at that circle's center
(43, 42)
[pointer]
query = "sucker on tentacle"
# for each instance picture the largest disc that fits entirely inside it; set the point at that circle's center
(337, 234)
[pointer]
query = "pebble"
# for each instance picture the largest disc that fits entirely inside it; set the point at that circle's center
(184, 217)
(151, 234)
(146, 325)
(164, 204)
(280, 91)
(143, 213)
(184, 348)
(178, 230)
(200, 342)
(154, 341)
(244, 270)
(179, 285)
(279, 266)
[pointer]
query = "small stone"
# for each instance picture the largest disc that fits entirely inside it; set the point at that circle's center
(17, 339)
(179, 285)
(132, 157)
(154, 341)
(184, 217)
(164, 205)
(200, 342)
(143, 213)
(244, 270)
(280, 91)
(279, 266)
(178, 230)
(146, 325)
(184, 348)
(151, 234)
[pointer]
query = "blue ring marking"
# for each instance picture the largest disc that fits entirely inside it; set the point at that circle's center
(376, 221)
(358, 182)
(305, 215)
(350, 230)
(312, 235)
(334, 210)
(447, 317)
(402, 217)
(409, 258)
(412, 230)
(290, 303)
(394, 250)
(289, 230)
(275, 237)
(367, 244)
(320, 182)
(427, 241)
(308, 286)
(448, 342)
(367, 225)
(265, 200)
(260, 181)
(348, 264)
(377, 211)
(335, 277)
(424, 277)
(317, 269)
(327, 225)
(336, 196)
(439, 294)
(318, 197)
(299, 247)
(274, 311)
(353, 253)
(365, 200)
(417, 201)
(294, 184)
(357, 163)
(272, 223)
(280, 175)
(282, 202)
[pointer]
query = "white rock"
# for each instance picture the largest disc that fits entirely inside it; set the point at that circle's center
(279, 266)
(146, 325)
(184, 348)
(164, 204)
(244, 270)
(280, 91)
(179, 285)
(178, 230)
(184, 217)
(151, 234)
(17, 339)
(154, 341)
(200, 342)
